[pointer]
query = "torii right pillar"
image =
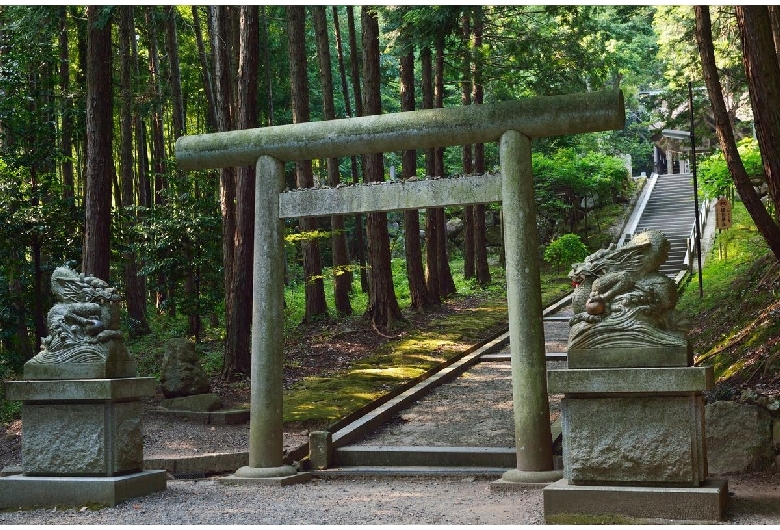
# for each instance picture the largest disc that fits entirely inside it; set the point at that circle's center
(526, 330)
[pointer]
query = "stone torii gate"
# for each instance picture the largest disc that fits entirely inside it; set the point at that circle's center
(512, 124)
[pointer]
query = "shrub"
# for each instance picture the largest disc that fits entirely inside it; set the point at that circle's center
(565, 250)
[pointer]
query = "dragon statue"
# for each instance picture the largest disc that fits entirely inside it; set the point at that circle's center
(621, 300)
(84, 325)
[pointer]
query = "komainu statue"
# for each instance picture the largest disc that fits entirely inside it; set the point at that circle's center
(84, 338)
(622, 301)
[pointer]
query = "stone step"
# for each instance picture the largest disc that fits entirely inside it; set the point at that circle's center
(505, 357)
(383, 456)
(410, 471)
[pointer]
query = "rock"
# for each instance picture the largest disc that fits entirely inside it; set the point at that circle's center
(494, 236)
(182, 374)
(739, 438)
(454, 227)
(195, 403)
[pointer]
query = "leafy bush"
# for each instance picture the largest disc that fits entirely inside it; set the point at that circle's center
(714, 177)
(565, 250)
(566, 179)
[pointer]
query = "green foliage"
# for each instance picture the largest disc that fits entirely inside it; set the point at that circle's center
(180, 237)
(9, 411)
(714, 177)
(565, 250)
(564, 180)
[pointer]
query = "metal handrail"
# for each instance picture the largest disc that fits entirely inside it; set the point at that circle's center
(690, 250)
(636, 215)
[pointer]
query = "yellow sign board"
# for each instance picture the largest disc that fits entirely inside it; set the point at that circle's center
(723, 213)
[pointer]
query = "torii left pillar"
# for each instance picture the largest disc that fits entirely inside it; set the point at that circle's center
(266, 447)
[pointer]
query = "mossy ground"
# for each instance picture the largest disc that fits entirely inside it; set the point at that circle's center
(326, 399)
(735, 325)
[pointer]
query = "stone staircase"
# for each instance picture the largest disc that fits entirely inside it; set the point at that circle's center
(670, 209)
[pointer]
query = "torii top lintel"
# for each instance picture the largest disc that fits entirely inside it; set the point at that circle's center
(421, 129)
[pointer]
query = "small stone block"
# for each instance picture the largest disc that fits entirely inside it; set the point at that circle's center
(195, 403)
(19, 491)
(705, 503)
(320, 449)
(605, 381)
(646, 357)
(298, 478)
(7, 471)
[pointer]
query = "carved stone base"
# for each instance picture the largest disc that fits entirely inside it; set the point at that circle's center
(640, 357)
(18, 491)
(633, 427)
(89, 427)
(706, 503)
(102, 370)
(640, 441)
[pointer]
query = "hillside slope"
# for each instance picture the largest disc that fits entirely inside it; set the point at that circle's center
(735, 326)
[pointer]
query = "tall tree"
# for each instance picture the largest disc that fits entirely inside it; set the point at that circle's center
(223, 97)
(192, 299)
(383, 306)
(446, 283)
(341, 276)
(415, 274)
(66, 127)
(237, 349)
(764, 222)
(431, 214)
(354, 61)
(99, 133)
(205, 71)
(158, 158)
(134, 291)
(144, 190)
(482, 270)
(174, 71)
(269, 73)
(467, 161)
(763, 75)
(299, 88)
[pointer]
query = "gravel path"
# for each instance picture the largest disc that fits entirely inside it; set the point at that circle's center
(343, 501)
(473, 411)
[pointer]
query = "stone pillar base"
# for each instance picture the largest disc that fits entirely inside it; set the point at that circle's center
(515, 479)
(289, 480)
(705, 503)
(19, 491)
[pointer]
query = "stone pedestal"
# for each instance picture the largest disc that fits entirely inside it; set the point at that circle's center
(633, 433)
(82, 442)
